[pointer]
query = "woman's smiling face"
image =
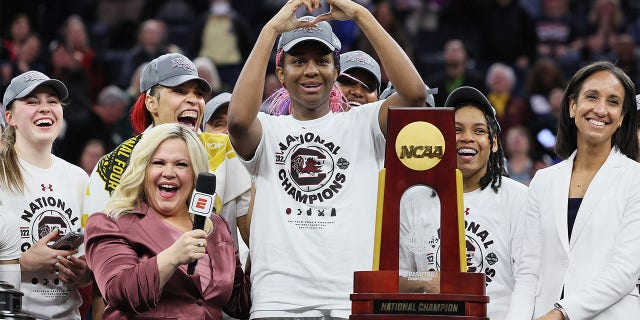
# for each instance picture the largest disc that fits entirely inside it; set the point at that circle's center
(37, 117)
(308, 73)
(597, 110)
(473, 145)
(169, 178)
(183, 103)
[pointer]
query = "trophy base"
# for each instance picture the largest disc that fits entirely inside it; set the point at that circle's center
(376, 296)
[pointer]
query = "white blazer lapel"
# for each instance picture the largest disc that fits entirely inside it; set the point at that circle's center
(560, 192)
(604, 178)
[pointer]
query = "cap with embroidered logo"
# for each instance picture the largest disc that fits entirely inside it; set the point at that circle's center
(359, 59)
(321, 32)
(22, 85)
(171, 70)
(466, 94)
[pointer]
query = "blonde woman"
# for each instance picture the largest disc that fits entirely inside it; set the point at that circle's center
(139, 249)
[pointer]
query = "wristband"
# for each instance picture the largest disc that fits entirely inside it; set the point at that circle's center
(559, 307)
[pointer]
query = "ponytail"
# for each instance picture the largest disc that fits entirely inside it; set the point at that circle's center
(10, 169)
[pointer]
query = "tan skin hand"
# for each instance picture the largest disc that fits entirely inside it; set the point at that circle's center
(74, 271)
(285, 20)
(185, 249)
(41, 258)
(339, 10)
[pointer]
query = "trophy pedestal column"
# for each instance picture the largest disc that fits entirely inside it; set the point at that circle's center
(376, 296)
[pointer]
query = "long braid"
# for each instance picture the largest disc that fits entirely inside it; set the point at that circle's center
(496, 166)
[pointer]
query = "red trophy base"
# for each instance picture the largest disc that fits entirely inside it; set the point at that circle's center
(376, 296)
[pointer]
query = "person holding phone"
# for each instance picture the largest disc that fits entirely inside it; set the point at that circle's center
(139, 248)
(69, 241)
(42, 195)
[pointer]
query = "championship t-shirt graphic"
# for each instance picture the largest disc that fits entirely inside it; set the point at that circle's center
(311, 172)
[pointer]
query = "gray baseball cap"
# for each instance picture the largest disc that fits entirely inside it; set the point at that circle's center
(22, 85)
(359, 59)
(170, 70)
(322, 32)
(213, 105)
(466, 94)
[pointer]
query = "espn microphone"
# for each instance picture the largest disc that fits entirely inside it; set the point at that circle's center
(202, 204)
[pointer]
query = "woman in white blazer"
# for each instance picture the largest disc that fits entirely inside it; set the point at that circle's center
(583, 214)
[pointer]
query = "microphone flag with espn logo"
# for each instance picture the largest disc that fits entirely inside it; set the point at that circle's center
(202, 204)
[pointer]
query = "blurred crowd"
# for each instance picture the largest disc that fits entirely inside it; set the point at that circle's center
(517, 52)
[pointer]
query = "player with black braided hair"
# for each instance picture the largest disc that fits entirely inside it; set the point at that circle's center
(493, 214)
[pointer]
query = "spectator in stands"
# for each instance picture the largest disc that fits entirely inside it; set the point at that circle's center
(150, 45)
(606, 24)
(506, 25)
(543, 76)
(628, 58)
(91, 153)
(383, 12)
(19, 30)
(511, 110)
(77, 39)
(560, 34)
(456, 72)
(224, 36)
(100, 124)
(69, 70)
(27, 58)
(208, 71)
(521, 166)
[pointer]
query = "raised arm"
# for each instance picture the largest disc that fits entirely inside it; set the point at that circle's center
(244, 127)
(411, 90)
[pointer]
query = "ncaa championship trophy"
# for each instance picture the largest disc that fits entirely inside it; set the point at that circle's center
(420, 195)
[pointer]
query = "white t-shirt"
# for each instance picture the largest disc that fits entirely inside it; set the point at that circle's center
(314, 211)
(493, 230)
(53, 198)
(233, 182)
(9, 237)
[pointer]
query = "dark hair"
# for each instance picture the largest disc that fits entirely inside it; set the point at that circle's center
(625, 138)
(496, 165)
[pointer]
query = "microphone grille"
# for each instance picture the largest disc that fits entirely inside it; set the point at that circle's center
(206, 183)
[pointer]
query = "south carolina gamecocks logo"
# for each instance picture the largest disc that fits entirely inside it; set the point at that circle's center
(311, 168)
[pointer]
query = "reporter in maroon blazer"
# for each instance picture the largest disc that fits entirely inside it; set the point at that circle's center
(139, 249)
